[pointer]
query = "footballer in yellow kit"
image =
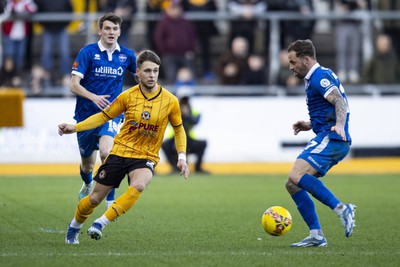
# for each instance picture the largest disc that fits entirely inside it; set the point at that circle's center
(146, 119)
(148, 108)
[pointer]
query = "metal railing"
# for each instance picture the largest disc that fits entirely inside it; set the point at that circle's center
(367, 19)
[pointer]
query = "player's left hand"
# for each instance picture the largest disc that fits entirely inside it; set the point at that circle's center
(340, 131)
(182, 165)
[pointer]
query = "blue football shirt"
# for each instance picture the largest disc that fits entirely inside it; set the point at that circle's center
(319, 82)
(102, 73)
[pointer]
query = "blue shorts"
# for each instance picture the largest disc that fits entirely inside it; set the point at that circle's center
(88, 141)
(325, 154)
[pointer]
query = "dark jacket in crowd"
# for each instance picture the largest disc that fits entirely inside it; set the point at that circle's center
(46, 6)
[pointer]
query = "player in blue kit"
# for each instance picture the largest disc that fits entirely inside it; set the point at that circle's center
(329, 119)
(97, 79)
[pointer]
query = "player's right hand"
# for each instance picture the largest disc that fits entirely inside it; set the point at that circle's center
(101, 101)
(299, 126)
(64, 128)
(182, 165)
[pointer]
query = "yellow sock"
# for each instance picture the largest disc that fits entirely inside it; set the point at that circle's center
(84, 209)
(122, 204)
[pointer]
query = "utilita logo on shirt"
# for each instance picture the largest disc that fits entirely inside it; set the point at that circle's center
(109, 70)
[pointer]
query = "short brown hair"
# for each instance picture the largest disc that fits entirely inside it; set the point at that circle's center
(147, 55)
(302, 48)
(110, 17)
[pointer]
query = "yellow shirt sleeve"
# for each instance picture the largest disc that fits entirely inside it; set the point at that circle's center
(111, 111)
(92, 122)
(180, 139)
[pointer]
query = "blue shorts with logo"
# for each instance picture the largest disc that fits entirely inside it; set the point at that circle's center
(324, 153)
(88, 141)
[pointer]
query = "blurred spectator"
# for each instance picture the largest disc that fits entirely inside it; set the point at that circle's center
(255, 73)
(285, 75)
(232, 64)
(291, 30)
(392, 26)
(175, 39)
(190, 118)
(384, 66)
(89, 5)
(3, 4)
(154, 7)
(15, 30)
(3, 16)
(205, 30)
(246, 23)
(185, 77)
(54, 38)
(348, 40)
(125, 9)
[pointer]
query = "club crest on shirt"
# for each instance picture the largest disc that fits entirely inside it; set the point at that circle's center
(122, 58)
(324, 83)
(146, 115)
(102, 174)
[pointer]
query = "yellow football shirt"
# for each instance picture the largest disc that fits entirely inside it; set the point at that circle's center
(146, 119)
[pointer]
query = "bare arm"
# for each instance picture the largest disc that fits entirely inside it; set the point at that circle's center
(100, 101)
(299, 126)
(336, 99)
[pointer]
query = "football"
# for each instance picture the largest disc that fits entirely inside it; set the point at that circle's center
(276, 221)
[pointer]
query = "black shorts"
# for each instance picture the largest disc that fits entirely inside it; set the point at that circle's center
(114, 169)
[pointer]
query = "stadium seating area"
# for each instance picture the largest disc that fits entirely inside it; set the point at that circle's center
(322, 37)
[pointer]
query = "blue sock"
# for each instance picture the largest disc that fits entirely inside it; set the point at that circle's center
(318, 190)
(86, 177)
(111, 195)
(306, 207)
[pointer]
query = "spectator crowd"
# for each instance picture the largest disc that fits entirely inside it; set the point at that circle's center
(232, 51)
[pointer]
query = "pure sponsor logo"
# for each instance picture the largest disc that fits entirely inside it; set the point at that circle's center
(144, 129)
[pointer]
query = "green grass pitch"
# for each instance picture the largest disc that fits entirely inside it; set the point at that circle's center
(204, 221)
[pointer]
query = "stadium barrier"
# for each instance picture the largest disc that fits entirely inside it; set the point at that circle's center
(244, 134)
(11, 107)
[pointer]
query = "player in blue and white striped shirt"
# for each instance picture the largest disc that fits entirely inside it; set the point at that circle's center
(329, 119)
(97, 79)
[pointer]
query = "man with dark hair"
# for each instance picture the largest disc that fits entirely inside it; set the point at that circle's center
(97, 79)
(329, 119)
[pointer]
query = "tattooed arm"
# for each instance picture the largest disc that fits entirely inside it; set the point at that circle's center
(336, 99)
